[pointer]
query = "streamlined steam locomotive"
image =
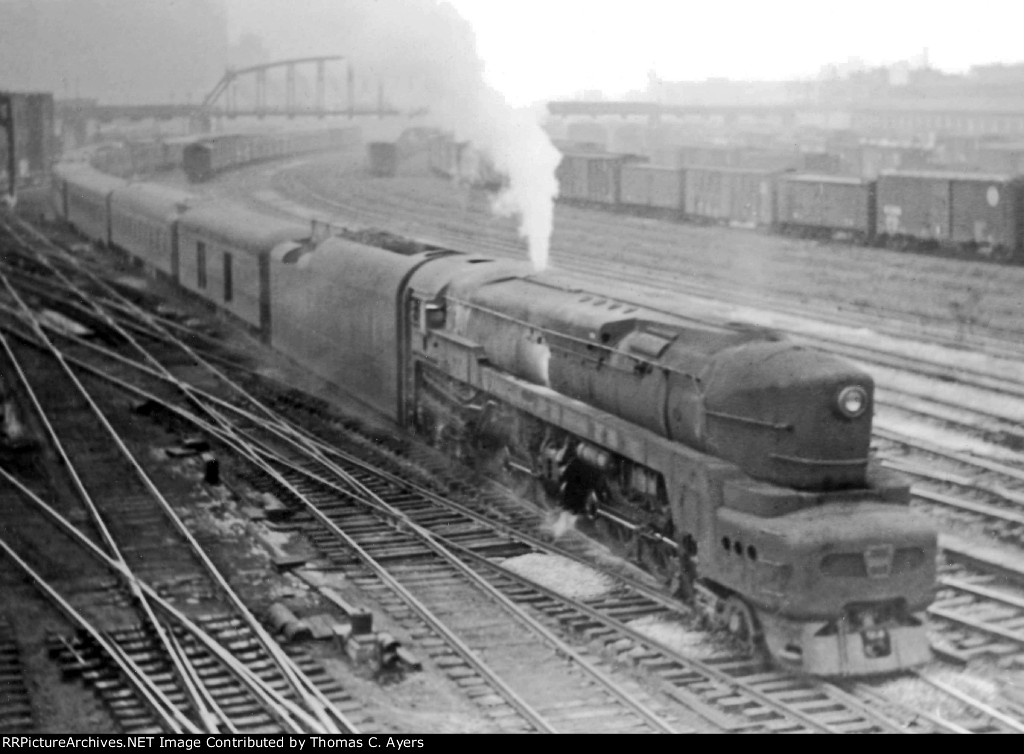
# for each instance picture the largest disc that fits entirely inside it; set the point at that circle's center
(730, 458)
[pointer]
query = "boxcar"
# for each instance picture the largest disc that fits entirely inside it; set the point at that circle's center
(592, 178)
(197, 160)
(914, 205)
(733, 196)
(652, 186)
(174, 150)
(383, 157)
(223, 257)
(143, 223)
(988, 214)
(974, 211)
(146, 156)
(203, 159)
(826, 204)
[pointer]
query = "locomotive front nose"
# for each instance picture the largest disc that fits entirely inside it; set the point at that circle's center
(789, 415)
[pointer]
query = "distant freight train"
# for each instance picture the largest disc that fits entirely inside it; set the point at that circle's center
(461, 161)
(977, 213)
(733, 459)
(206, 157)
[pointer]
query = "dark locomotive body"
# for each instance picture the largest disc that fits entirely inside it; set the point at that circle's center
(732, 459)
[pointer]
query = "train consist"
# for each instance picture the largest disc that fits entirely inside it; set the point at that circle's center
(972, 212)
(728, 457)
(131, 159)
(205, 158)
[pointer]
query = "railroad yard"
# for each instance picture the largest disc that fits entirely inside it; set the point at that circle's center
(360, 581)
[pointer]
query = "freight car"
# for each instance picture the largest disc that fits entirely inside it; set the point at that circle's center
(383, 157)
(931, 209)
(975, 214)
(652, 188)
(732, 459)
(593, 178)
(205, 158)
(826, 206)
(737, 197)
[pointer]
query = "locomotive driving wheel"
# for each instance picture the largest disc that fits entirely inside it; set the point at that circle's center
(740, 621)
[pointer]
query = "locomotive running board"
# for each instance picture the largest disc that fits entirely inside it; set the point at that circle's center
(588, 423)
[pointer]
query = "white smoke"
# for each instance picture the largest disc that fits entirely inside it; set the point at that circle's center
(425, 53)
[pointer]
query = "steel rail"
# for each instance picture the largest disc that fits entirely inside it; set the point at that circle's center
(967, 460)
(145, 317)
(254, 457)
(205, 715)
(405, 521)
(940, 723)
(166, 711)
(326, 726)
(443, 548)
(283, 708)
(365, 491)
(370, 499)
(1003, 719)
(303, 686)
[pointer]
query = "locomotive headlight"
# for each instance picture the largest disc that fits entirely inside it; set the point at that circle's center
(852, 401)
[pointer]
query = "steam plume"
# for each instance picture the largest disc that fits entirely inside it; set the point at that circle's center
(429, 45)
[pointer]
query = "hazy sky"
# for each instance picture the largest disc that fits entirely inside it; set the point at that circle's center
(538, 49)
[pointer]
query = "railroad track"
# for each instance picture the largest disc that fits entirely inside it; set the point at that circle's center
(16, 715)
(835, 715)
(978, 613)
(168, 569)
(729, 700)
(965, 484)
(154, 548)
(616, 695)
(500, 539)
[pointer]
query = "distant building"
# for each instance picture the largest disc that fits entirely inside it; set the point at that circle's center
(908, 99)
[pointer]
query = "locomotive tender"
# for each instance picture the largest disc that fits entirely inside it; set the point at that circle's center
(729, 456)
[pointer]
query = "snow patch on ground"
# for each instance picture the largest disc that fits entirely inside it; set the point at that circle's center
(966, 396)
(950, 439)
(567, 577)
(676, 636)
